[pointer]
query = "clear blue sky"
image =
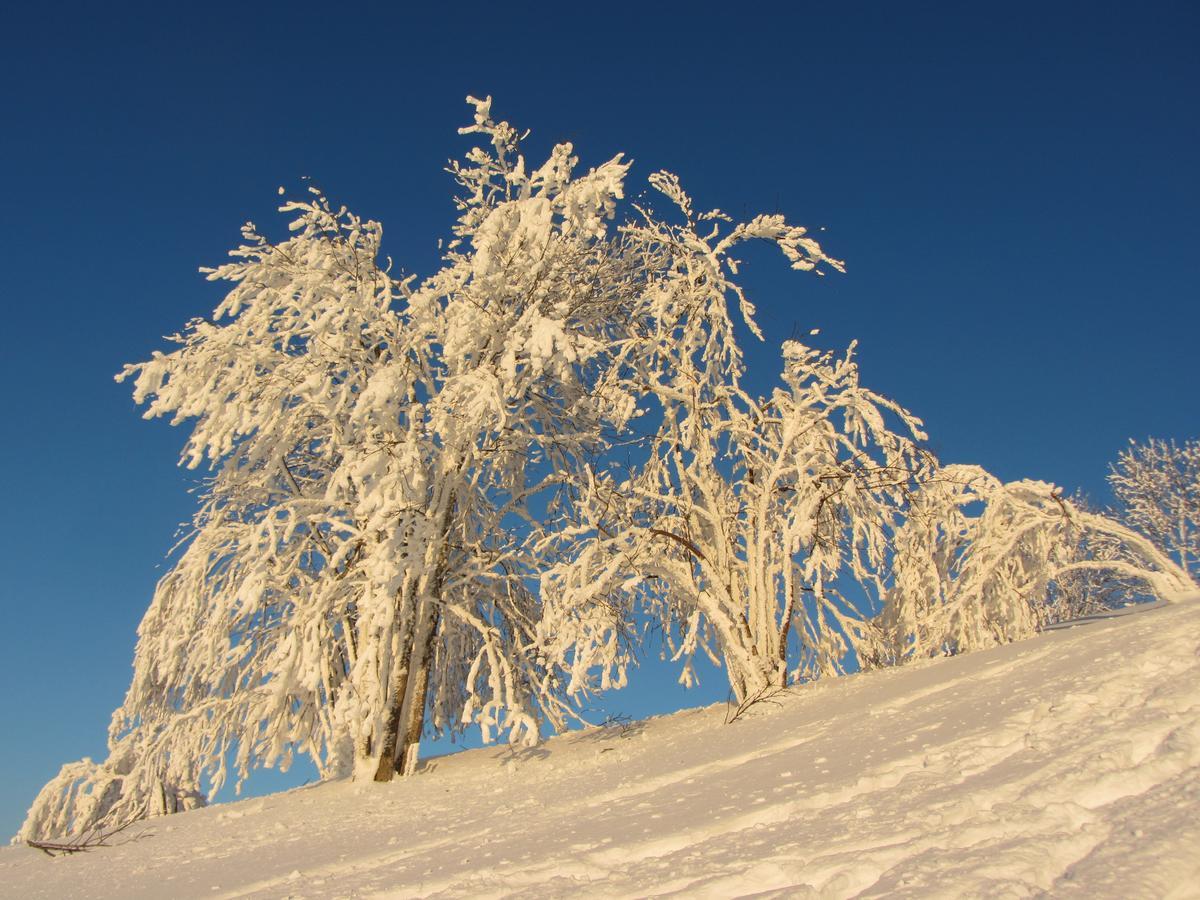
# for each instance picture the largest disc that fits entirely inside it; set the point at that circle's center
(1014, 187)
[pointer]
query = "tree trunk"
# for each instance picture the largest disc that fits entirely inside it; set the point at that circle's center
(406, 755)
(386, 765)
(736, 683)
(785, 625)
(400, 740)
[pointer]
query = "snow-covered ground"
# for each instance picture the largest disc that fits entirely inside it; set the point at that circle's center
(1067, 765)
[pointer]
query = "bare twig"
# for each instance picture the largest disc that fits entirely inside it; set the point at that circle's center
(762, 695)
(95, 837)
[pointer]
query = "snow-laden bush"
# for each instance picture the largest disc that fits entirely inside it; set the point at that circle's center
(978, 562)
(737, 531)
(1157, 486)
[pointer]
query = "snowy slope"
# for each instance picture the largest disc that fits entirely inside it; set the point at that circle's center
(1068, 764)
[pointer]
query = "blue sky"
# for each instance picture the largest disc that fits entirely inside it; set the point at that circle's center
(1014, 189)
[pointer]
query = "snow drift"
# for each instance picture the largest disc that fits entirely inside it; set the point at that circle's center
(1067, 764)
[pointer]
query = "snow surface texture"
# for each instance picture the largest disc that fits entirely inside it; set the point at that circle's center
(1068, 764)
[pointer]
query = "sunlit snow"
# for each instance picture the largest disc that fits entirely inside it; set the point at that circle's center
(1069, 763)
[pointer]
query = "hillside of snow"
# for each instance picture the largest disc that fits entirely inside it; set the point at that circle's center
(1067, 764)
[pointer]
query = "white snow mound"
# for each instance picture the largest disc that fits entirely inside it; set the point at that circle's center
(1068, 765)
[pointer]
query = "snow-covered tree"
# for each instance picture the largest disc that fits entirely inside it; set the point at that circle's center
(382, 459)
(978, 562)
(735, 529)
(1157, 486)
(431, 505)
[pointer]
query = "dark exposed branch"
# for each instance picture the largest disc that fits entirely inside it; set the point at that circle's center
(89, 840)
(682, 541)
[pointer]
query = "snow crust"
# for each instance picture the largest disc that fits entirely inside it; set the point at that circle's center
(1066, 765)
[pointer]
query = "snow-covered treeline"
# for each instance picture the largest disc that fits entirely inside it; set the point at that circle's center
(454, 502)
